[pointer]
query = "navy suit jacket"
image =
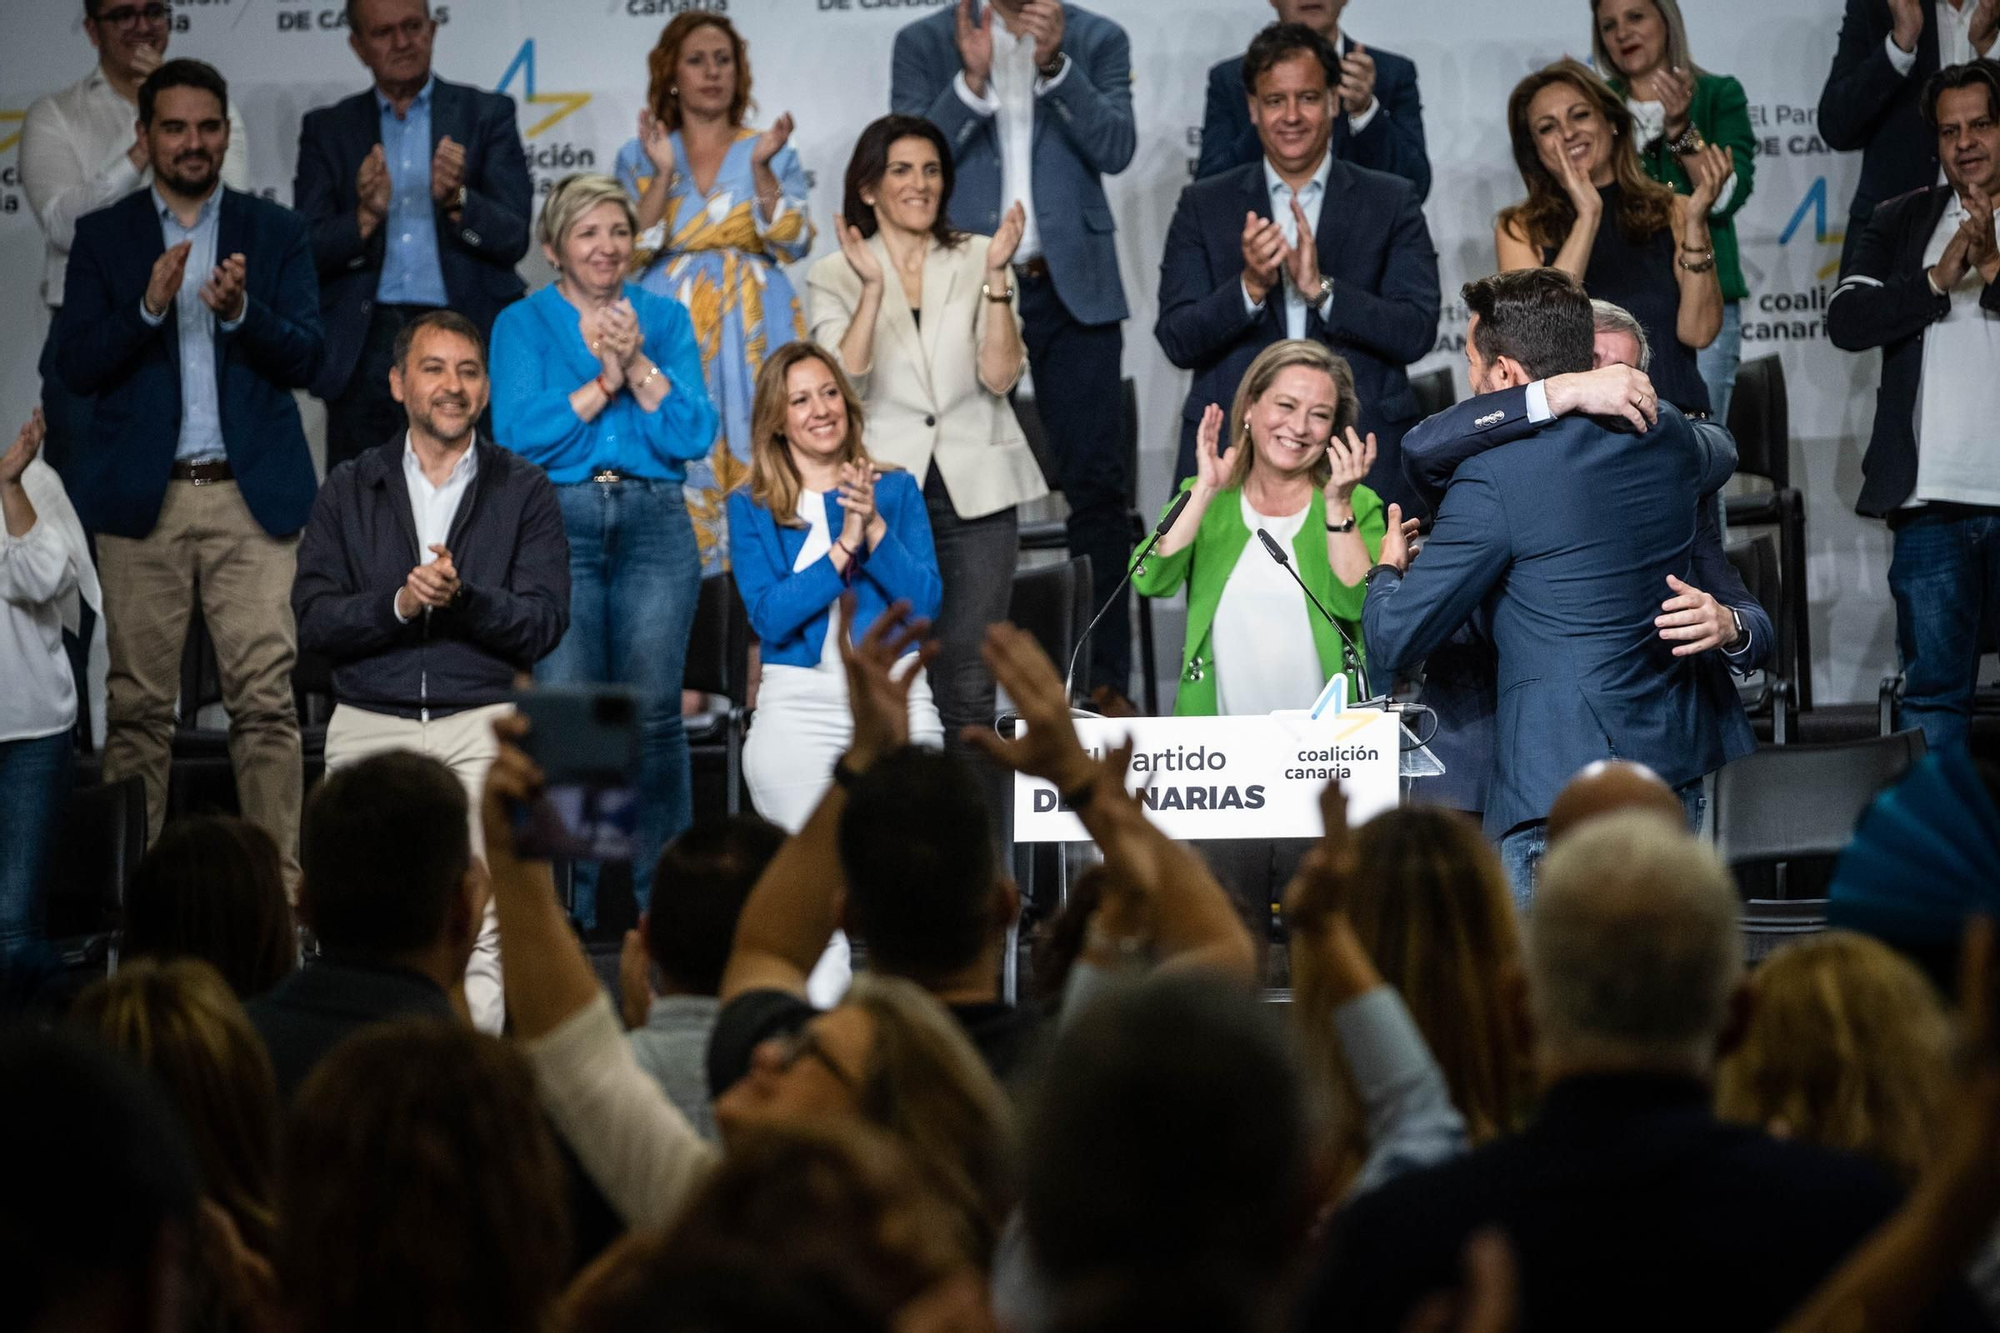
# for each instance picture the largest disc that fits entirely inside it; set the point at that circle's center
(132, 370)
(1564, 540)
(1867, 105)
(1393, 141)
(1084, 131)
(476, 254)
(1374, 244)
(1885, 300)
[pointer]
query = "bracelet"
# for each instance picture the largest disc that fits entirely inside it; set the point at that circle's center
(650, 376)
(986, 290)
(603, 388)
(1690, 141)
(1348, 526)
(1700, 266)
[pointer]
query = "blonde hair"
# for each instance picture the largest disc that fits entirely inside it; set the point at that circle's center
(1849, 1046)
(1272, 362)
(573, 197)
(1674, 57)
(180, 1021)
(774, 479)
(928, 1086)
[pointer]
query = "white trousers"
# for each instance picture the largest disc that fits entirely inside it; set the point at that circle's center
(463, 743)
(800, 729)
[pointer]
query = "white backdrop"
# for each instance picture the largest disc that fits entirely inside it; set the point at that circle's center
(577, 69)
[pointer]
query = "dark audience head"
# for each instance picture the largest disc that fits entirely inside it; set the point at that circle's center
(702, 63)
(702, 880)
(420, 1188)
(393, 38)
(891, 151)
(98, 1217)
(826, 1226)
(1167, 1139)
(386, 852)
(1567, 102)
(1526, 324)
(1848, 1046)
(1962, 103)
(1635, 956)
(923, 887)
(1429, 901)
(180, 1023)
(212, 887)
(1609, 785)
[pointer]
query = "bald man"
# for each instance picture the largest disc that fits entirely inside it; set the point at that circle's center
(1607, 786)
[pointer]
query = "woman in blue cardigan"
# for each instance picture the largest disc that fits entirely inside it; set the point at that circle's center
(600, 382)
(819, 517)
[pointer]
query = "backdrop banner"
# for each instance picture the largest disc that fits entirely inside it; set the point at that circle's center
(576, 69)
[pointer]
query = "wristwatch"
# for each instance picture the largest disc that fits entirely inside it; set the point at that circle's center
(1318, 301)
(1742, 638)
(1054, 67)
(1368, 579)
(456, 204)
(1348, 526)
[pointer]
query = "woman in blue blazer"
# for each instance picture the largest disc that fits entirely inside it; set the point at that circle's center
(818, 517)
(600, 382)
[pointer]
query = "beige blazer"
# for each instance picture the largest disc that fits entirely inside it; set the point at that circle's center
(922, 390)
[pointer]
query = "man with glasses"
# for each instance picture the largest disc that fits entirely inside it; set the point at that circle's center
(80, 150)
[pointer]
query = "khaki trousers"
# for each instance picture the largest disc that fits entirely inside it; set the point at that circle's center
(465, 744)
(205, 546)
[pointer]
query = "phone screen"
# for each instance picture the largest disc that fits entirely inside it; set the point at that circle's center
(585, 739)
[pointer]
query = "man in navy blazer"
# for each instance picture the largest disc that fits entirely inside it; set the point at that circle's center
(1888, 50)
(1381, 117)
(189, 316)
(1709, 613)
(1035, 98)
(418, 196)
(1564, 543)
(1362, 277)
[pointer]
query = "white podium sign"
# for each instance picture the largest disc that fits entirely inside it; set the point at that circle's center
(1232, 777)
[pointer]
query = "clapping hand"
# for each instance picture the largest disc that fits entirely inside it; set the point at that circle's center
(371, 185)
(1707, 168)
(1981, 251)
(1357, 81)
(1583, 196)
(769, 142)
(855, 494)
(1263, 255)
(1006, 238)
(855, 250)
(1674, 90)
(223, 292)
(1350, 459)
(878, 697)
(618, 330)
(1906, 22)
(975, 45)
(1302, 259)
(430, 585)
(447, 169)
(1211, 474)
(1042, 20)
(657, 142)
(165, 283)
(22, 452)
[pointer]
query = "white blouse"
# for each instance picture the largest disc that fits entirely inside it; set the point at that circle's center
(1265, 658)
(44, 578)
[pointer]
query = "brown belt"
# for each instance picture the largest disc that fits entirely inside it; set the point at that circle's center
(203, 474)
(1036, 268)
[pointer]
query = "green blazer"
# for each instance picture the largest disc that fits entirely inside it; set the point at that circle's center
(1721, 112)
(1206, 563)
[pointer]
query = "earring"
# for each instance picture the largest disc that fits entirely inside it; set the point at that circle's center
(673, 92)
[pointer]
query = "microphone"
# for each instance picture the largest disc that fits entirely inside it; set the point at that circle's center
(1167, 521)
(1350, 656)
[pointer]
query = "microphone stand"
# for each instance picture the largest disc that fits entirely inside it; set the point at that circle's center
(1350, 656)
(1159, 530)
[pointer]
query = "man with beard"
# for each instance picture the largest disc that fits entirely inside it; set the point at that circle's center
(189, 316)
(433, 573)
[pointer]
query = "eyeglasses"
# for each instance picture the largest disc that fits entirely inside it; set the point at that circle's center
(131, 16)
(805, 1045)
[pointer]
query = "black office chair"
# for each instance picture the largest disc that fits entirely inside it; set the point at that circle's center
(100, 839)
(1760, 419)
(718, 664)
(1052, 602)
(1782, 816)
(1435, 390)
(1768, 695)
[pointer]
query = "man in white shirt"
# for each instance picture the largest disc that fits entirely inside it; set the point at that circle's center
(1924, 285)
(433, 574)
(80, 150)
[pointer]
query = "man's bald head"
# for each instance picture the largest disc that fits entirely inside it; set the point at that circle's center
(1609, 785)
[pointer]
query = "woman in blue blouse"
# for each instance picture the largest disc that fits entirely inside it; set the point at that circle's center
(818, 517)
(600, 383)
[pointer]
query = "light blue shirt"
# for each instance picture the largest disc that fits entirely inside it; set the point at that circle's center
(1281, 213)
(410, 271)
(201, 401)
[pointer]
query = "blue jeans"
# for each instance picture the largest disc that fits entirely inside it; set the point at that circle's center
(1522, 850)
(634, 578)
(1717, 362)
(1944, 571)
(34, 783)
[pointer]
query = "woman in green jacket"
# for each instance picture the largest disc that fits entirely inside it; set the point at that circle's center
(1254, 643)
(1677, 107)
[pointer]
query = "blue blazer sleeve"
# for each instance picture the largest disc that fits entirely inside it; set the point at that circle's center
(101, 327)
(920, 84)
(684, 425)
(1400, 322)
(1394, 139)
(1435, 446)
(1202, 313)
(1406, 617)
(531, 411)
(1224, 119)
(494, 222)
(321, 185)
(1093, 105)
(780, 601)
(1711, 572)
(282, 337)
(1718, 454)
(904, 563)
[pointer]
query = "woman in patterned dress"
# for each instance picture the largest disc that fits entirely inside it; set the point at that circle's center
(722, 207)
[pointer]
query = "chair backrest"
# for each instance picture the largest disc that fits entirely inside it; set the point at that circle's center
(1793, 802)
(1046, 601)
(1757, 562)
(1760, 417)
(1435, 390)
(99, 841)
(718, 656)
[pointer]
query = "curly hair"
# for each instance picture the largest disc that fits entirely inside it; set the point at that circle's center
(663, 62)
(1545, 217)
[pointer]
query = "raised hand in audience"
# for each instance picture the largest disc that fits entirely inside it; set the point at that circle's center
(657, 142)
(1329, 963)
